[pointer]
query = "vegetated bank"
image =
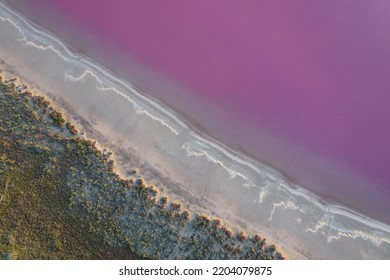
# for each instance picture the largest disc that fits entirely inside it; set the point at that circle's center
(61, 199)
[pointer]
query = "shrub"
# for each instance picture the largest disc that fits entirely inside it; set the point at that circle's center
(57, 118)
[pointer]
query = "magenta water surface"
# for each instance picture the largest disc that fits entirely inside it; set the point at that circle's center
(313, 74)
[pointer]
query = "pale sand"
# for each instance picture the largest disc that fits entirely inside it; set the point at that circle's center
(184, 165)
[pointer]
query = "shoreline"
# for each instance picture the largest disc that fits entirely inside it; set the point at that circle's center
(328, 176)
(108, 80)
(108, 83)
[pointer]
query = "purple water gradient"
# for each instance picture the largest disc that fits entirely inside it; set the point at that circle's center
(314, 74)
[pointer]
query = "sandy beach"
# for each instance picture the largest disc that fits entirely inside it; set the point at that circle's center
(181, 162)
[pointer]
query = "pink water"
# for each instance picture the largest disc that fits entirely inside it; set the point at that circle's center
(313, 74)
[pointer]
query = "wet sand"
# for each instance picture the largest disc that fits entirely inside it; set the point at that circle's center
(183, 163)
